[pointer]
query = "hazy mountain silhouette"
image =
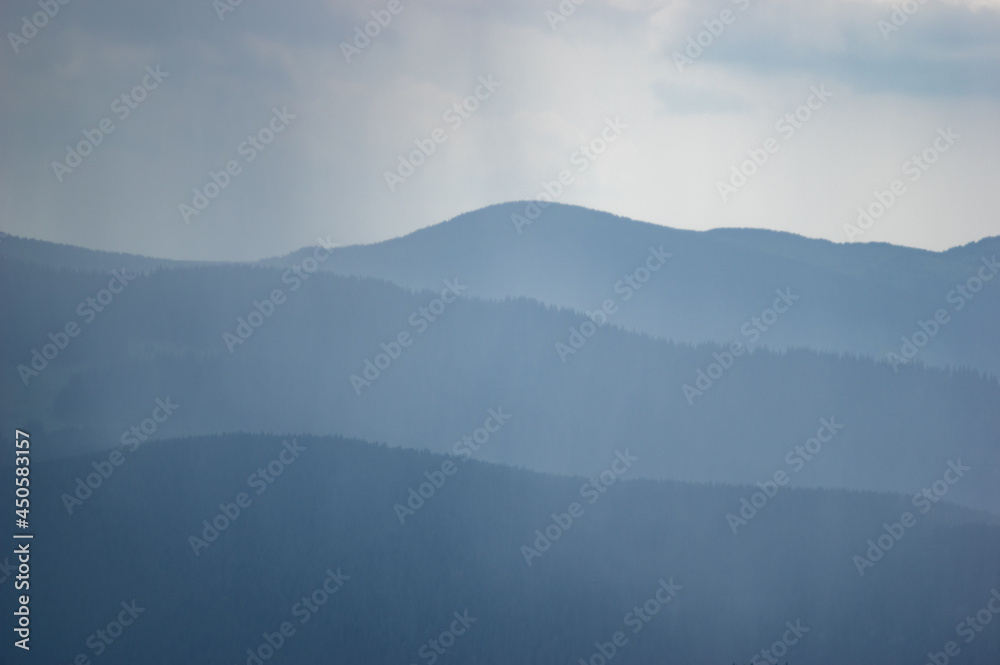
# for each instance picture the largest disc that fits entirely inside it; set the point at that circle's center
(70, 257)
(857, 298)
(331, 512)
(164, 336)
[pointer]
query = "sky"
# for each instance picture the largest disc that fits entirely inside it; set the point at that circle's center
(216, 131)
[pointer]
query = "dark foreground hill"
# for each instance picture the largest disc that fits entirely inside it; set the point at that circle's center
(317, 542)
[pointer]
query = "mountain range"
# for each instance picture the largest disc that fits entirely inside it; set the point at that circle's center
(541, 421)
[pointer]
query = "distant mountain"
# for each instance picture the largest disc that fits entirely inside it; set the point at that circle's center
(330, 358)
(202, 560)
(69, 257)
(855, 298)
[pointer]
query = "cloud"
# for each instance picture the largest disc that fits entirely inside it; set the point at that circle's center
(941, 50)
(325, 176)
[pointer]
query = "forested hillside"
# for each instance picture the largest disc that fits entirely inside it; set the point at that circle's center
(164, 336)
(656, 561)
(859, 298)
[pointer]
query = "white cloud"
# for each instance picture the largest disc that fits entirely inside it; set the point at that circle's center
(326, 175)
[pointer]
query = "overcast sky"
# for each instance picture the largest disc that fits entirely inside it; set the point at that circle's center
(680, 126)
